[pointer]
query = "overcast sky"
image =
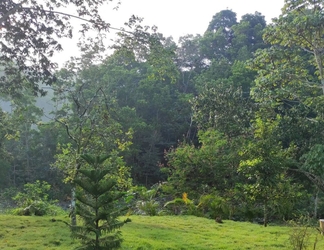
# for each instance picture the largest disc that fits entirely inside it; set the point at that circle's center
(179, 17)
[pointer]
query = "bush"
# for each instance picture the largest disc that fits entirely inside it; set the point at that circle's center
(150, 207)
(183, 206)
(303, 235)
(34, 200)
(147, 201)
(213, 206)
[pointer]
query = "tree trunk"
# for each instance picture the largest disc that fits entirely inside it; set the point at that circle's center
(265, 213)
(316, 203)
(73, 198)
(72, 213)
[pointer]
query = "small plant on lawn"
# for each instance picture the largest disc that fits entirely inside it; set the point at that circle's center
(34, 200)
(303, 235)
(213, 206)
(147, 204)
(182, 206)
(97, 206)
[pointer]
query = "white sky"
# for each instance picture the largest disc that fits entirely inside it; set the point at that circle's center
(178, 17)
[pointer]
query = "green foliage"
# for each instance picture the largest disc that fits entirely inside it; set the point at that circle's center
(216, 41)
(223, 107)
(182, 206)
(33, 192)
(176, 206)
(214, 206)
(289, 83)
(34, 200)
(197, 170)
(264, 163)
(314, 160)
(147, 201)
(6, 198)
(301, 236)
(97, 206)
(238, 147)
(150, 207)
(88, 116)
(32, 63)
(145, 78)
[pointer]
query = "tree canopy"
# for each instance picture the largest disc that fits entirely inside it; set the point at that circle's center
(30, 33)
(234, 115)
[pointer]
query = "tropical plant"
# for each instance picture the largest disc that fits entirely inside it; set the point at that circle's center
(34, 200)
(147, 202)
(182, 206)
(213, 206)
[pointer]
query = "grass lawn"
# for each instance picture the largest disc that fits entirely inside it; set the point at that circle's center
(160, 232)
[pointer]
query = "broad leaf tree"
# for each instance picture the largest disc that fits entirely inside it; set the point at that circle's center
(209, 167)
(264, 163)
(30, 33)
(89, 117)
(290, 75)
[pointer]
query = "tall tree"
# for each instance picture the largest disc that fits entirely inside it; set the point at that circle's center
(217, 40)
(248, 36)
(97, 206)
(25, 115)
(190, 61)
(290, 75)
(264, 163)
(6, 132)
(30, 31)
(144, 76)
(89, 118)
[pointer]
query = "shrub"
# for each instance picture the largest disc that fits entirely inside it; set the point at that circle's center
(147, 201)
(302, 234)
(213, 206)
(34, 200)
(150, 207)
(182, 206)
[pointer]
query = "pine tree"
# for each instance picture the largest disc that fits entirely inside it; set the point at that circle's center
(96, 205)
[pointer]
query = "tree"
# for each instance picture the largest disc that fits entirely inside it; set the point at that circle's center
(6, 133)
(90, 119)
(205, 168)
(291, 76)
(301, 26)
(247, 36)
(30, 31)
(264, 163)
(217, 40)
(190, 61)
(24, 116)
(97, 199)
(223, 108)
(223, 21)
(144, 76)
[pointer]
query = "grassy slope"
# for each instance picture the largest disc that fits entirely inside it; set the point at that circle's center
(167, 232)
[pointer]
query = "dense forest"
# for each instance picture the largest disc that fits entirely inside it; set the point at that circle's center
(230, 119)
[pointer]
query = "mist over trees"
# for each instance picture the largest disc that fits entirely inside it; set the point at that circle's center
(236, 112)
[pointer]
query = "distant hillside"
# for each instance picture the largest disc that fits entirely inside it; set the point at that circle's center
(45, 103)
